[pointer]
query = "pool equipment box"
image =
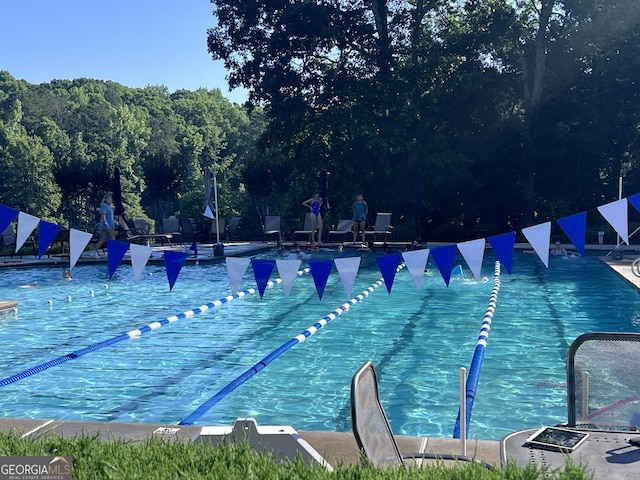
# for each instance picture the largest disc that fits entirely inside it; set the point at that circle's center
(280, 440)
(557, 439)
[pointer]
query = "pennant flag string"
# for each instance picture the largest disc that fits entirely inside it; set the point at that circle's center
(230, 387)
(132, 334)
(574, 227)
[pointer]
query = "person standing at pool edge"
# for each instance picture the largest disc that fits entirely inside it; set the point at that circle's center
(314, 204)
(107, 227)
(360, 211)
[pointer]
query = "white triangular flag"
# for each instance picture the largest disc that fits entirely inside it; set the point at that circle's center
(348, 270)
(616, 213)
(539, 236)
(288, 271)
(416, 261)
(473, 253)
(208, 213)
(78, 240)
(26, 224)
(236, 266)
(139, 257)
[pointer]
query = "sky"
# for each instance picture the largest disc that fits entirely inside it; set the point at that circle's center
(132, 42)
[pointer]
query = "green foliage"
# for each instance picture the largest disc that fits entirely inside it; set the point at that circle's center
(511, 113)
(64, 139)
(153, 459)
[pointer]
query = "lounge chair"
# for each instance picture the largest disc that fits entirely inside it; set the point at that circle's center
(271, 226)
(191, 231)
(171, 226)
(9, 238)
(344, 228)
(133, 237)
(306, 229)
(371, 428)
(233, 229)
(382, 226)
(142, 229)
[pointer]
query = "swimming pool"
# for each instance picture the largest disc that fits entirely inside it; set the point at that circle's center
(418, 340)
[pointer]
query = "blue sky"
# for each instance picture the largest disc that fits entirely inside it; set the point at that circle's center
(132, 42)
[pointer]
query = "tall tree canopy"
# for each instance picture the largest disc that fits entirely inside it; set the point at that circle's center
(490, 100)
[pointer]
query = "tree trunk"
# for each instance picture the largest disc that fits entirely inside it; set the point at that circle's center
(533, 100)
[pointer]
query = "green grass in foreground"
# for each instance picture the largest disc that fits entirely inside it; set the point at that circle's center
(152, 459)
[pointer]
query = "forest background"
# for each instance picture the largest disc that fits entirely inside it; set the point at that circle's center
(462, 118)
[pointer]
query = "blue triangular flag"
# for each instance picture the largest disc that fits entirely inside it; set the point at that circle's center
(116, 250)
(262, 270)
(634, 200)
(444, 258)
(7, 215)
(46, 233)
(388, 265)
(503, 245)
(173, 262)
(320, 270)
(194, 248)
(575, 227)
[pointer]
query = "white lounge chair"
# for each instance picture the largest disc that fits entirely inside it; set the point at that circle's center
(344, 228)
(306, 229)
(382, 226)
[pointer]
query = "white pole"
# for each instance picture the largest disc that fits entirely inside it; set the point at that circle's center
(215, 197)
(619, 198)
(463, 411)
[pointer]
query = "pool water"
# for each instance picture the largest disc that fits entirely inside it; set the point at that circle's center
(417, 339)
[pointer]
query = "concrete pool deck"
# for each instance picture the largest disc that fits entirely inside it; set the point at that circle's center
(335, 447)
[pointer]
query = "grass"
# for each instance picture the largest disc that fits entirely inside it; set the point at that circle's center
(94, 459)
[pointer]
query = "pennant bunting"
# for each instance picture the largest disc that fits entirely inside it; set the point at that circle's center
(78, 241)
(444, 258)
(348, 268)
(539, 236)
(115, 251)
(236, 267)
(47, 231)
(616, 213)
(262, 270)
(575, 227)
(503, 245)
(473, 253)
(288, 271)
(416, 261)
(320, 270)
(388, 265)
(173, 262)
(140, 255)
(26, 225)
(7, 215)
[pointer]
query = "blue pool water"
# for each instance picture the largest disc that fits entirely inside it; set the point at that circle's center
(418, 340)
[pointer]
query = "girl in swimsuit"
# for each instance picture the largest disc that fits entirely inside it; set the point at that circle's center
(314, 203)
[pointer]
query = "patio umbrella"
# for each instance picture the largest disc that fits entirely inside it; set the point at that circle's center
(118, 207)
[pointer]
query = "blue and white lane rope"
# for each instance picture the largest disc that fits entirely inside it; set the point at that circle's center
(230, 387)
(478, 354)
(134, 333)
